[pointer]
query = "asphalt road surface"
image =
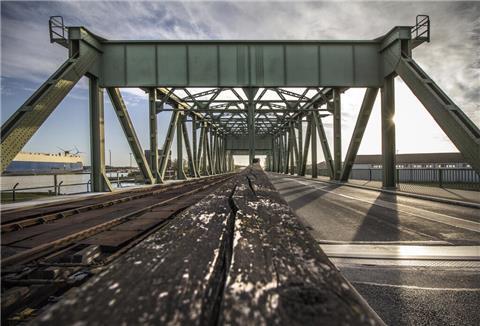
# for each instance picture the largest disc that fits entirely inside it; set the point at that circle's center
(416, 262)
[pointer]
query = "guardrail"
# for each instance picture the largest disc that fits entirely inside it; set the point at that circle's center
(455, 178)
(448, 178)
(55, 189)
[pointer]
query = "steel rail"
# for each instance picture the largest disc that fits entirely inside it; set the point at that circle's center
(19, 224)
(45, 248)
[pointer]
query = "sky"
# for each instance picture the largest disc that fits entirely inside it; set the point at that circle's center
(28, 59)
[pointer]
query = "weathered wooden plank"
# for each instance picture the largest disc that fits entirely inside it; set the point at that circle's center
(240, 256)
(278, 274)
(175, 276)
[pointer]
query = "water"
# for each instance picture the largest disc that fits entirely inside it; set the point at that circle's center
(31, 181)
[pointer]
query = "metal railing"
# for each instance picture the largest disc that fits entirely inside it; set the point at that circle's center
(421, 30)
(55, 189)
(58, 30)
(448, 178)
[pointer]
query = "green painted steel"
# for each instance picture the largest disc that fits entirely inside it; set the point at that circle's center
(167, 145)
(124, 118)
(360, 126)
(464, 134)
(241, 64)
(180, 171)
(23, 124)
(324, 144)
(337, 133)
(99, 178)
(388, 132)
(153, 131)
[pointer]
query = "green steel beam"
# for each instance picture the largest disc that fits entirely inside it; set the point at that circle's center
(324, 144)
(180, 172)
(388, 132)
(167, 145)
(306, 147)
(337, 134)
(192, 164)
(124, 118)
(241, 63)
(153, 130)
(314, 147)
(463, 133)
(360, 126)
(23, 124)
(99, 178)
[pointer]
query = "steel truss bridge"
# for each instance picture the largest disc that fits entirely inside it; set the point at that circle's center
(245, 97)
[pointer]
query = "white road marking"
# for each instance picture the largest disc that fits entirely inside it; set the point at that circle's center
(402, 251)
(412, 287)
(396, 242)
(439, 217)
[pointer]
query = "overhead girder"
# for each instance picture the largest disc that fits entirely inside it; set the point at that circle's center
(265, 108)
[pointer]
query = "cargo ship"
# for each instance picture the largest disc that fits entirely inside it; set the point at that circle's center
(33, 163)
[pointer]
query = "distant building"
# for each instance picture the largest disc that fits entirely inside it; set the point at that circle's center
(414, 161)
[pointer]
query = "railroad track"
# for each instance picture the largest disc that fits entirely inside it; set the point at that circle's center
(16, 219)
(52, 253)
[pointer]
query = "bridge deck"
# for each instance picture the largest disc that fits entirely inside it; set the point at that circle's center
(239, 256)
(408, 257)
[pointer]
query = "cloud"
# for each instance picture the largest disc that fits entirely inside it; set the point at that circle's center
(451, 59)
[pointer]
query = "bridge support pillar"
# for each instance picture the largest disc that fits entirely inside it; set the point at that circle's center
(306, 147)
(388, 132)
(337, 134)
(180, 172)
(153, 159)
(194, 146)
(314, 146)
(250, 93)
(300, 145)
(99, 178)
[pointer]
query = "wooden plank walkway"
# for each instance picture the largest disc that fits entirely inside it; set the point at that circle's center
(239, 256)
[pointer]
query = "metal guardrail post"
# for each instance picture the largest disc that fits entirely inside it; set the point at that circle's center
(88, 185)
(55, 184)
(58, 187)
(369, 174)
(440, 178)
(13, 191)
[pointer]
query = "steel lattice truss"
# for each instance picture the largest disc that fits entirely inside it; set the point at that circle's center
(227, 108)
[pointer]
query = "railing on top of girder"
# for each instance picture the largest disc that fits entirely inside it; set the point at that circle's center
(421, 31)
(58, 31)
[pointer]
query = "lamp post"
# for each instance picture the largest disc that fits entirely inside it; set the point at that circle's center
(130, 161)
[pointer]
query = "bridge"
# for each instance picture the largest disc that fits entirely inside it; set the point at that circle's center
(233, 247)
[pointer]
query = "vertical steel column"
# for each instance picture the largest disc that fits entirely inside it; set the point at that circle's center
(250, 93)
(324, 143)
(202, 163)
(295, 150)
(194, 145)
(97, 137)
(306, 147)
(211, 151)
(192, 168)
(153, 159)
(168, 144)
(300, 144)
(287, 151)
(207, 153)
(337, 133)
(388, 132)
(180, 172)
(314, 146)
